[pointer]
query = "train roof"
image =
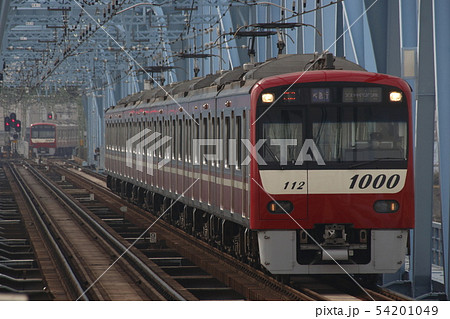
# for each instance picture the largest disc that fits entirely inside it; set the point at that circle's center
(245, 75)
(69, 124)
(49, 124)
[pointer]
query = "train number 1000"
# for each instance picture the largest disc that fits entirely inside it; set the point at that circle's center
(376, 182)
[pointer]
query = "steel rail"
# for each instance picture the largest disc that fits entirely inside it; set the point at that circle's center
(57, 249)
(161, 286)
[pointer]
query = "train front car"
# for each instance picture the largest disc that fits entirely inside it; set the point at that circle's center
(43, 139)
(332, 174)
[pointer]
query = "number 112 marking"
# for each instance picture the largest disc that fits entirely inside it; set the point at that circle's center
(293, 185)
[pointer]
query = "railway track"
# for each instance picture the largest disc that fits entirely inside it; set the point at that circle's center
(206, 276)
(81, 250)
(192, 255)
(20, 275)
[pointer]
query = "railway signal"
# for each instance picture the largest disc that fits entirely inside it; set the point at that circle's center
(7, 124)
(12, 118)
(18, 126)
(11, 121)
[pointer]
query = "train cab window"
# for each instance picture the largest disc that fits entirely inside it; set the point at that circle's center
(43, 131)
(360, 133)
(283, 131)
(347, 133)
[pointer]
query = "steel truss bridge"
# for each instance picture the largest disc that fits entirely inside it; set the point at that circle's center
(107, 49)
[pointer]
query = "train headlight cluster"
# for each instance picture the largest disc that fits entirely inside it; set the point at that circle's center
(280, 207)
(395, 96)
(268, 97)
(386, 206)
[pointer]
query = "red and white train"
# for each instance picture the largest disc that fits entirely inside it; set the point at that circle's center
(50, 139)
(305, 172)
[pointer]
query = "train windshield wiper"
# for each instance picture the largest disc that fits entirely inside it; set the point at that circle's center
(277, 160)
(374, 161)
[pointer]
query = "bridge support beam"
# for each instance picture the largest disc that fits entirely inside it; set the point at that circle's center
(421, 257)
(442, 62)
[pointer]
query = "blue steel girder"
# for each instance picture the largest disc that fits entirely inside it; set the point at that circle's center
(421, 256)
(441, 48)
(168, 19)
(353, 10)
(384, 24)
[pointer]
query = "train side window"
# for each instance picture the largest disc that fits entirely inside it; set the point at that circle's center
(121, 135)
(126, 133)
(160, 130)
(167, 130)
(136, 128)
(118, 135)
(180, 140)
(214, 135)
(196, 136)
(186, 141)
(174, 140)
(227, 142)
(220, 138)
(205, 136)
(239, 141)
(190, 141)
(117, 139)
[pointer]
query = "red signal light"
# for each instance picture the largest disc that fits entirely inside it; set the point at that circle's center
(7, 124)
(18, 126)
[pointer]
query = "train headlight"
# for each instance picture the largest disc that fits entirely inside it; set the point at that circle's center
(386, 206)
(280, 207)
(395, 96)
(268, 97)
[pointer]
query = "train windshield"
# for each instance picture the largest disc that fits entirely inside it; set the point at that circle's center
(360, 133)
(307, 132)
(43, 131)
(283, 132)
